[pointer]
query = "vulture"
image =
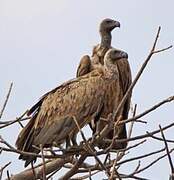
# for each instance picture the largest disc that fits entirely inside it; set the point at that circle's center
(79, 100)
(88, 64)
(125, 80)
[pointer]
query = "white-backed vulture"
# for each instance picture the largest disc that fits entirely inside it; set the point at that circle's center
(53, 116)
(87, 64)
(125, 80)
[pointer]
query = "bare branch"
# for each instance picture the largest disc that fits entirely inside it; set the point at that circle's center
(117, 108)
(167, 151)
(50, 166)
(141, 157)
(161, 50)
(2, 169)
(167, 100)
(153, 162)
(43, 161)
(6, 100)
(89, 147)
(74, 169)
(160, 139)
(8, 175)
(132, 123)
(8, 123)
(148, 134)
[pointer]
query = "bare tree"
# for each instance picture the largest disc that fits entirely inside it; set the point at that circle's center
(74, 161)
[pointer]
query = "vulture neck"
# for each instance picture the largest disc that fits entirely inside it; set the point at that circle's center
(105, 39)
(111, 70)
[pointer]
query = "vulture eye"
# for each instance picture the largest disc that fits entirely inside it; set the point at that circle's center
(108, 21)
(115, 52)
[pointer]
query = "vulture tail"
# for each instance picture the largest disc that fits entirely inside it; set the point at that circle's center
(25, 141)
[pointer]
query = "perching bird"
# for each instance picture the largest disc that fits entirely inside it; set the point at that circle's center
(87, 64)
(125, 80)
(83, 99)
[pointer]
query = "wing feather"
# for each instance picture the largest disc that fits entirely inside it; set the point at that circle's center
(84, 66)
(54, 113)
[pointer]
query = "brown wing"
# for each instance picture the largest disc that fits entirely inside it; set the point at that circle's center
(125, 74)
(125, 82)
(117, 92)
(84, 66)
(53, 117)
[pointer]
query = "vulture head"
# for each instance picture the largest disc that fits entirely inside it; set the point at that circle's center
(107, 25)
(112, 56)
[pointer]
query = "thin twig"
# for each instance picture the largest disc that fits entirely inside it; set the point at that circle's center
(123, 176)
(8, 123)
(51, 166)
(117, 108)
(132, 123)
(74, 169)
(154, 107)
(153, 162)
(142, 136)
(43, 161)
(160, 139)
(6, 100)
(141, 157)
(86, 176)
(8, 175)
(114, 170)
(33, 170)
(161, 50)
(2, 169)
(135, 145)
(89, 147)
(167, 150)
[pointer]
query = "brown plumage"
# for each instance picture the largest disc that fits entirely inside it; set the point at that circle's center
(86, 64)
(125, 80)
(52, 117)
(124, 73)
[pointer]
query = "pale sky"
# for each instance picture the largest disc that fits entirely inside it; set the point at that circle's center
(41, 43)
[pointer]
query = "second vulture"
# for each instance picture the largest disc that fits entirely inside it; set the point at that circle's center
(81, 100)
(88, 64)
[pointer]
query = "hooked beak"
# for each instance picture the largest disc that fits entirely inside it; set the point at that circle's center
(116, 24)
(124, 55)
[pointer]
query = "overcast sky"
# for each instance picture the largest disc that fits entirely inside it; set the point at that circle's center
(41, 43)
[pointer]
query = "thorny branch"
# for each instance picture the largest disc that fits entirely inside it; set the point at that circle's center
(112, 160)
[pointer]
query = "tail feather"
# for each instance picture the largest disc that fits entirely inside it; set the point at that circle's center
(25, 141)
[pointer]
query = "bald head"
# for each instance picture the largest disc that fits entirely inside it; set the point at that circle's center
(113, 55)
(107, 25)
(111, 58)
